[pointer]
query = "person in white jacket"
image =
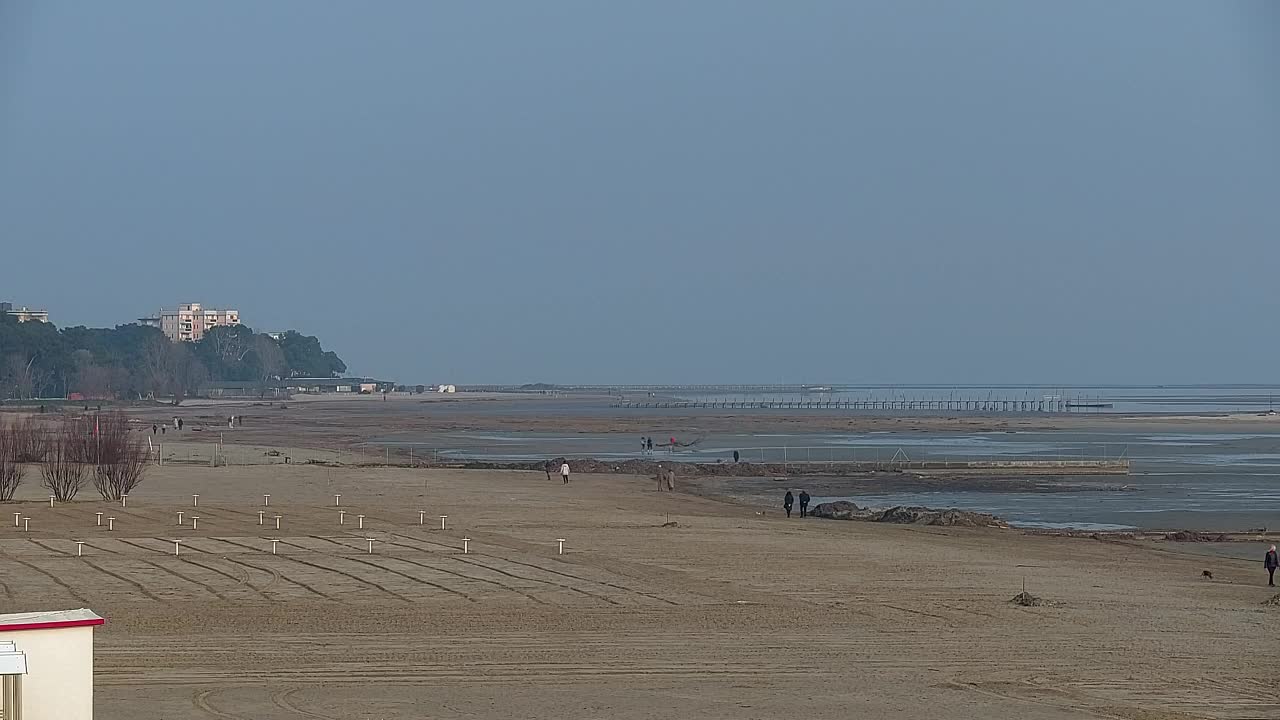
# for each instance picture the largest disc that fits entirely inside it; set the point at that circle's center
(564, 472)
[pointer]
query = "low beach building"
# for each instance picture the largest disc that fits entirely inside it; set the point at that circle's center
(46, 665)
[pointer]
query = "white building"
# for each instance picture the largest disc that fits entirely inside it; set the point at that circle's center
(190, 322)
(24, 313)
(46, 665)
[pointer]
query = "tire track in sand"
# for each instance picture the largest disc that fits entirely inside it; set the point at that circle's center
(437, 569)
(534, 598)
(357, 578)
(276, 578)
(370, 563)
(200, 701)
(282, 700)
(71, 591)
(472, 562)
(213, 591)
(141, 588)
(242, 579)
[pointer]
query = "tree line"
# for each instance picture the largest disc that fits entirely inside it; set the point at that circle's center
(71, 453)
(137, 362)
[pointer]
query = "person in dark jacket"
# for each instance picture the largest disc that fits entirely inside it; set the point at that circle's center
(1271, 563)
(735, 456)
(787, 501)
(804, 504)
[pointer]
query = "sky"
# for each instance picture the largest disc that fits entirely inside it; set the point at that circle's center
(655, 191)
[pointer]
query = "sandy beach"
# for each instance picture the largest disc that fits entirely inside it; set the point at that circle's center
(728, 613)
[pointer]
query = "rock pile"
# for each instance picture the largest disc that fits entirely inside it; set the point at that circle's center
(1192, 536)
(904, 515)
(1026, 599)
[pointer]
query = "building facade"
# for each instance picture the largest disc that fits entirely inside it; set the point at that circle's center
(24, 314)
(190, 322)
(48, 658)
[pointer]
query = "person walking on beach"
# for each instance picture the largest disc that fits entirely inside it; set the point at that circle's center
(673, 445)
(804, 503)
(1271, 563)
(564, 472)
(547, 466)
(642, 445)
(787, 501)
(650, 442)
(662, 476)
(153, 428)
(671, 480)
(735, 456)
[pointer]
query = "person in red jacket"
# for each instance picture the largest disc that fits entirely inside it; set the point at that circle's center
(1271, 563)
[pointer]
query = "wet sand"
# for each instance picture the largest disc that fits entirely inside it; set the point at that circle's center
(729, 614)
(1213, 473)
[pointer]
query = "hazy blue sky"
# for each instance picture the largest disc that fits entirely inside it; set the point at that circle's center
(727, 190)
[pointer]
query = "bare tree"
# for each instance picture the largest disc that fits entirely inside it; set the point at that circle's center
(269, 361)
(29, 440)
(21, 375)
(153, 366)
(63, 468)
(171, 370)
(94, 381)
(186, 373)
(11, 468)
(120, 458)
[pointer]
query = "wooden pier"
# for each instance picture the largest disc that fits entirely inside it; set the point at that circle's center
(1044, 405)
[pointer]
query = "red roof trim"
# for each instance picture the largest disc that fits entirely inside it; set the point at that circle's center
(53, 625)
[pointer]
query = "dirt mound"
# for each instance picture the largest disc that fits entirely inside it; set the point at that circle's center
(1273, 602)
(1026, 599)
(1192, 536)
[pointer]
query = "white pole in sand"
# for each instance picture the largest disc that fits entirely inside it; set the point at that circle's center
(79, 548)
(175, 547)
(336, 499)
(266, 501)
(370, 545)
(124, 500)
(180, 514)
(111, 523)
(422, 517)
(194, 518)
(466, 545)
(561, 541)
(195, 501)
(278, 521)
(443, 518)
(360, 519)
(273, 545)
(26, 524)
(260, 514)
(17, 517)
(51, 499)
(99, 519)
(342, 517)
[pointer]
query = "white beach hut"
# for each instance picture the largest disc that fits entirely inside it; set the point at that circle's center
(46, 665)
